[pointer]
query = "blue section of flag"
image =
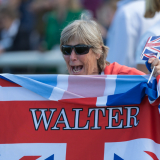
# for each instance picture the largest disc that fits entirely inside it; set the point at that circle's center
(154, 37)
(148, 51)
(50, 79)
(148, 65)
(116, 157)
(124, 92)
(33, 85)
(127, 98)
(50, 158)
(125, 83)
(144, 58)
(157, 48)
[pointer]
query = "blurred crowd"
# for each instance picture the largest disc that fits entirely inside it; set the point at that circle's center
(37, 24)
(27, 25)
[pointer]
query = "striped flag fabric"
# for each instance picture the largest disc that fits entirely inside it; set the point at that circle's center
(64, 117)
(151, 48)
(105, 88)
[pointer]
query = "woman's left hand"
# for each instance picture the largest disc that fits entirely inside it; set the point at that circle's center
(155, 62)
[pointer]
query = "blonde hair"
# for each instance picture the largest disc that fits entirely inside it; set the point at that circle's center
(87, 32)
(152, 6)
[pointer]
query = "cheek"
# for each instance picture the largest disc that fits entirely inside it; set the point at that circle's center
(82, 58)
(66, 58)
(86, 61)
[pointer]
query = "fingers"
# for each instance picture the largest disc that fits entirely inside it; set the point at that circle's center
(150, 60)
(156, 71)
(155, 62)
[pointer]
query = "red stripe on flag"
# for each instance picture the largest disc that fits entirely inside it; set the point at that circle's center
(81, 101)
(152, 44)
(29, 157)
(152, 155)
(150, 56)
(155, 49)
(5, 83)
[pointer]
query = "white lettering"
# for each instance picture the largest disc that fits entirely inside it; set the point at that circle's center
(129, 116)
(96, 116)
(65, 121)
(42, 117)
(76, 123)
(111, 117)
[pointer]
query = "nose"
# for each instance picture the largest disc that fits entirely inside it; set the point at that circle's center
(73, 56)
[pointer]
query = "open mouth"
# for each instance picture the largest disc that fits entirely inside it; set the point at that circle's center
(77, 69)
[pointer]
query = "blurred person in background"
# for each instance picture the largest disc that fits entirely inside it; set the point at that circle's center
(151, 8)
(105, 14)
(65, 12)
(92, 6)
(125, 31)
(27, 17)
(13, 36)
(13, 3)
(28, 22)
(2, 2)
(40, 8)
(25, 14)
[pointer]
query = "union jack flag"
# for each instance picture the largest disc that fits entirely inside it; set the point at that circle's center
(85, 117)
(151, 48)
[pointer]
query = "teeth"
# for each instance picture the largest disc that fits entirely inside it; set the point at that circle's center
(77, 69)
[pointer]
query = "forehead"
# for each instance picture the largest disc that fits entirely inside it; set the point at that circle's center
(74, 42)
(76, 39)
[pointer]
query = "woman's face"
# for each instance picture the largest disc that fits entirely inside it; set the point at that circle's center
(81, 64)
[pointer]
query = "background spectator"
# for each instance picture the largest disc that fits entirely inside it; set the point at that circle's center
(92, 6)
(12, 3)
(40, 8)
(105, 14)
(125, 31)
(65, 12)
(151, 8)
(13, 36)
(27, 17)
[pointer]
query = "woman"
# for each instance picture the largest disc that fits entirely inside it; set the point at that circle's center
(85, 54)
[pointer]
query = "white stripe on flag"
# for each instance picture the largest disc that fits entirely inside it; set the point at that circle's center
(58, 91)
(18, 151)
(132, 150)
(101, 101)
(110, 86)
(18, 93)
(151, 101)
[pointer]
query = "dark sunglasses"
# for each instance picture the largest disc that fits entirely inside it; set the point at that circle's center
(79, 49)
